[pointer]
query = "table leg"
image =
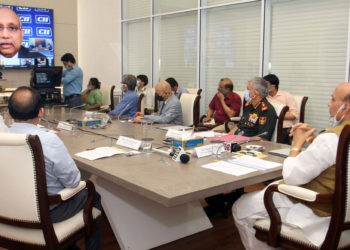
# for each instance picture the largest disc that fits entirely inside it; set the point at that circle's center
(140, 223)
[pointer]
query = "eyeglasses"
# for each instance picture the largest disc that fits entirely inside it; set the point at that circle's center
(11, 29)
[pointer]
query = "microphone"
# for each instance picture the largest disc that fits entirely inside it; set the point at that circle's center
(59, 105)
(177, 155)
(258, 135)
(70, 113)
(75, 107)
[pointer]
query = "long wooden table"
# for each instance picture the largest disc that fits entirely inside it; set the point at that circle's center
(149, 202)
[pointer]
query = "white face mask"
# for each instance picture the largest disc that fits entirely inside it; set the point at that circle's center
(333, 122)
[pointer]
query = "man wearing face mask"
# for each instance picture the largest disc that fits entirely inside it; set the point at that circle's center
(259, 117)
(128, 105)
(170, 112)
(314, 169)
(225, 103)
(72, 80)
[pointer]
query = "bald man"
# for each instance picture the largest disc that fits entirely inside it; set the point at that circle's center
(25, 107)
(170, 112)
(11, 37)
(314, 169)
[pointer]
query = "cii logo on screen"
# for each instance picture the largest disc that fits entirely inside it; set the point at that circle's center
(42, 31)
(42, 19)
(28, 31)
(23, 9)
(25, 18)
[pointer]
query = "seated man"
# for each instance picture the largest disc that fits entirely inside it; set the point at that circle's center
(177, 90)
(312, 169)
(225, 103)
(170, 111)
(259, 117)
(128, 106)
(25, 107)
(282, 97)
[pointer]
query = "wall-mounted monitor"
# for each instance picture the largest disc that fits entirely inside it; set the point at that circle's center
(38, 38)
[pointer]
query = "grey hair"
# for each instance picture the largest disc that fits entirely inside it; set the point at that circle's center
(130, 81)
(260, 85)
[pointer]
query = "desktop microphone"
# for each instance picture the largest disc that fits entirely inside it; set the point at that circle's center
(59, 105)
(79, 106)
(177, 155)
(250, 139)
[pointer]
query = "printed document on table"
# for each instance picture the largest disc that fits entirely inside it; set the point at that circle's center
(100, 152)
(228, 168)
(255, 163)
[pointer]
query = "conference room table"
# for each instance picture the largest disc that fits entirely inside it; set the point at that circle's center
(148, 198)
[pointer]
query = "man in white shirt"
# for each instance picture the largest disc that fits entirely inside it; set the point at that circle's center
(308, 169)
(282, 97)
(25, 107)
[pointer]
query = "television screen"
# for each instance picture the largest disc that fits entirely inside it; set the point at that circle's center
(38, 41)
(46, 77)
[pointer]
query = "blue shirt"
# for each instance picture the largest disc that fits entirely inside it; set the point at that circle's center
(61, 171)
(128, 105)
(72, 80)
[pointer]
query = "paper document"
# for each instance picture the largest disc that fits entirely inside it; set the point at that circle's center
(228, 168)
(255, 163)
(100, 152)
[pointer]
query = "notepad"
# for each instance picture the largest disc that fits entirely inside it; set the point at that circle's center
(228, 168)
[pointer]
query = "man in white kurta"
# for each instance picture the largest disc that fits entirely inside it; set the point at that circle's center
(298, 169)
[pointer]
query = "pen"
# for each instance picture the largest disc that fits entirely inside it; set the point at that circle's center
(90, 148)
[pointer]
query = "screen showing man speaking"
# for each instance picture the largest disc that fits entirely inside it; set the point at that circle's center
(26, 36)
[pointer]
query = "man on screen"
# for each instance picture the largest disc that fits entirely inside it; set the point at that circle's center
(11, 37)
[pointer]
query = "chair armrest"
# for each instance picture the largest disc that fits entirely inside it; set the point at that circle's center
(68, 193)
(299, 193)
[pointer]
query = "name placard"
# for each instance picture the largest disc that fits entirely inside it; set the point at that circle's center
(129, 142)
(65, 126)
(208, 150)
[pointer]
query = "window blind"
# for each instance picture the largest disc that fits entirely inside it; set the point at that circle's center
(178, 48)
(308, 51)
(232, 46)
(136, 8)
(137, 50)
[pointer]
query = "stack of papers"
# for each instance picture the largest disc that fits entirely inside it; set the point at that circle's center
(241, 166)
(255, 163)
(100, 152)
(228, 168)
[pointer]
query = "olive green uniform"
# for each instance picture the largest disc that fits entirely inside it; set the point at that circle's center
(256, 121)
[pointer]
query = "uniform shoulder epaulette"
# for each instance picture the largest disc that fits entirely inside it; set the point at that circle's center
(264, 106)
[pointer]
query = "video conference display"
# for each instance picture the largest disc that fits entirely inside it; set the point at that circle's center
(38, 38)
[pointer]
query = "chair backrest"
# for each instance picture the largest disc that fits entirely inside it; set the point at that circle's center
(190, 108)
(340, 219)
(241, 94)
(107, 95)
(23, 190)
(141, 103)
(301, 103)
(281, 111)
(195, 91)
